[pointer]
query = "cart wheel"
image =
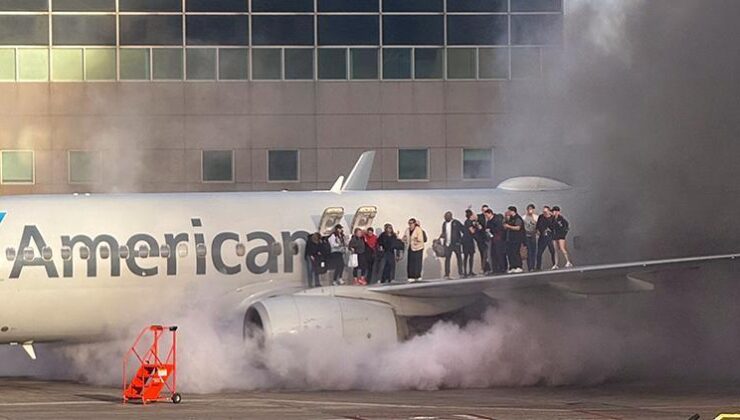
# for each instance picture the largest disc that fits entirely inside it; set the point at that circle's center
(176, 398)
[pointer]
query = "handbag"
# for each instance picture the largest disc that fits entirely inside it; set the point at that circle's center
(439, 248)
(354, 261)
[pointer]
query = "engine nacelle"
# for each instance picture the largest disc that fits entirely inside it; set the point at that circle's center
(351, 319)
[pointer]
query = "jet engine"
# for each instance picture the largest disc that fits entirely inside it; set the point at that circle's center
(354, 320)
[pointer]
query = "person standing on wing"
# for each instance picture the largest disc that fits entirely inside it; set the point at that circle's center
(414, 239)
(451, 237)
(560, 231)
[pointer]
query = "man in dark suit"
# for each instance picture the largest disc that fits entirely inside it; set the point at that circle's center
(482, 241)
(451, 237)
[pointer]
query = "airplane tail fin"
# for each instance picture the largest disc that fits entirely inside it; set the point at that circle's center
(360, 175)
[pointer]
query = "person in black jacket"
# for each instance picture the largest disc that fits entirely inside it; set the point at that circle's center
(451, 237)
(544, 228)
(483, 241)
(315, 254)
(497, 244)
(387, 246)
(515, 234)
(560, 228)
(470, 234)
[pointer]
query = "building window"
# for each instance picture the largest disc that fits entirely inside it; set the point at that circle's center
(66, 64)
(266, 64)
(298, 63)
(428, 63)
(201, 63)
(363, 63)
(333, 63)
(218, 166)
(17, 167)
(493, 63)
(134, 64)
(233, 64)
(525, 63)
(33, 64)
(396, 63)
(413, 164)
(7, 64)
(167, 64)
(477, 163)
(461, 63)
(84, 166)
(100, 64)
(282, 165)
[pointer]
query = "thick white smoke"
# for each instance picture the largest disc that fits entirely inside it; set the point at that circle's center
(646, 116)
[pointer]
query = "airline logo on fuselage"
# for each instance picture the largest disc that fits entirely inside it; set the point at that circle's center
(259, 259)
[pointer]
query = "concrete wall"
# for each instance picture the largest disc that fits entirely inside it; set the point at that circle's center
(151, 134)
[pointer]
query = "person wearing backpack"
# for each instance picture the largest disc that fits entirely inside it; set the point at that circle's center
(560, 227)
(414, 238)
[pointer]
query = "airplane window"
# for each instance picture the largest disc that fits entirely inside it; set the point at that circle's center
(182, 250)
(164, 251)
(10, 254)
(143, 251)
(84, 252)
(123, 251)
(46, 253)
(200, 250)
(241, 250)
(66, 253)
(104, 252)
(28, 254)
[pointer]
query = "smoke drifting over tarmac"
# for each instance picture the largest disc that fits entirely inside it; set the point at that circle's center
(644, 107)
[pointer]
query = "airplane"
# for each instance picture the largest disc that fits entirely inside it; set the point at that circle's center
(79, 268)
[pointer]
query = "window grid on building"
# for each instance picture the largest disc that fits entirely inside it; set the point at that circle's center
(68, 44)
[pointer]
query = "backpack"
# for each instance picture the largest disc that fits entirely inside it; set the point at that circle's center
(424, 232)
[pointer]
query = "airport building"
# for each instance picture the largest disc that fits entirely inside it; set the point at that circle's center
(242, 95)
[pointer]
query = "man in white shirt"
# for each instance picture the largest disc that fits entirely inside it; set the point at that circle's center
(530, 227)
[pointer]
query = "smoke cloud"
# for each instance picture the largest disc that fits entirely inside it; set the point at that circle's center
(640, 109)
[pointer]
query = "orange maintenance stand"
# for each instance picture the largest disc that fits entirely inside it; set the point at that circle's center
(155, 379)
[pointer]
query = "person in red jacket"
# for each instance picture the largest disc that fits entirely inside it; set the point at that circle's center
(371, 240)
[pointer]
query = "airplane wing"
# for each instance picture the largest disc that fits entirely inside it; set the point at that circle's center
(588, 280)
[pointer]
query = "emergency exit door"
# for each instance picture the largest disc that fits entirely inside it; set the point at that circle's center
(331, 217)
(363, 218)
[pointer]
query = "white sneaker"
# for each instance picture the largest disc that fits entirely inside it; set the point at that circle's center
(510, 271)
(554, 267)
(412, 280)
(518, 270)
(568, 265)
(341, 282)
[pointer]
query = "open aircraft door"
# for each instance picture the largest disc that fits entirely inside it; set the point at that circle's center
(363, 218)
(331, 217)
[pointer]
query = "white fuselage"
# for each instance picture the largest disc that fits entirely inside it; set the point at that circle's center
(76, 299)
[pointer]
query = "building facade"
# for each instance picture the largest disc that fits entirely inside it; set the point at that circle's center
(239, 95)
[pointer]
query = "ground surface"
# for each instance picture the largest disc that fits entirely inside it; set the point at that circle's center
(32, 399)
